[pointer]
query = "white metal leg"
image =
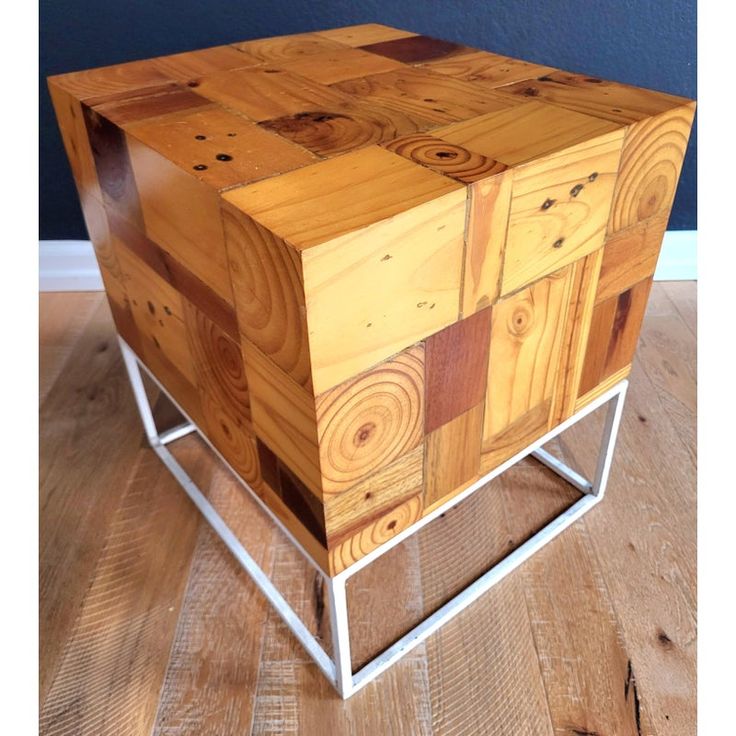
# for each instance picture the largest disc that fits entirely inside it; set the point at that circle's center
(340, 628)
(338, 669)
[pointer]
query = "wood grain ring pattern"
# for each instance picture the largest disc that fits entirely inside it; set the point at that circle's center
(367, 422)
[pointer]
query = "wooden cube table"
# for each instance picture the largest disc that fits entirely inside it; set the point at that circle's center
(373, 269)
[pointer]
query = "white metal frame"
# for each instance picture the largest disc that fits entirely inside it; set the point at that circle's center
(338, 669)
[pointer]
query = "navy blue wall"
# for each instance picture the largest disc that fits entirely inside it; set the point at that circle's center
(646, 43)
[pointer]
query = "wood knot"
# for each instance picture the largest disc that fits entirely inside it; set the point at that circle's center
(391, 525)
(664, 640)
(576, 190)
(446, 154)
(530, 92)
(520, 321)
(364, 434)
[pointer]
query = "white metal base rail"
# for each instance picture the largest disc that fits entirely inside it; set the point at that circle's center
(338, 669)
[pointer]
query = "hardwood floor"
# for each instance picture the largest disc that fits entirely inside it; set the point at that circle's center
(148, 626)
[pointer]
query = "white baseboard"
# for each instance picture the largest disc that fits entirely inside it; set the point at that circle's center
(70, 265)
(678, 260)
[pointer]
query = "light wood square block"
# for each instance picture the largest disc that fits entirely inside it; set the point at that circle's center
(370, 264)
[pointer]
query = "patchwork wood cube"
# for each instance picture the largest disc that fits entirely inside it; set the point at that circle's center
(371, 265)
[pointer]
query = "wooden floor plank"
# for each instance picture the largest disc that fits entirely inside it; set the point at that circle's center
(64, 317)
(684, 298)
(213, 670)
(384, 602)
(649, 562)
(294, 698)
(483, 671)
(90, 436)
(113, 665)
(585, 664)
(667, 354)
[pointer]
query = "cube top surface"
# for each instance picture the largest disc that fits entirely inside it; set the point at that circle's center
(235, 116)
(371, 265)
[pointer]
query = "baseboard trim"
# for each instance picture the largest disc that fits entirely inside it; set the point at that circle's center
(678, 260)
(70, 265)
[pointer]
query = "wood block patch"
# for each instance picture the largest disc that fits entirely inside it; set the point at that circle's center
(370, 421)
(630, 256)
(650, 167)
(269, 294)
(457, 368)
(292, 491)
(614, 332)
(526, 338)
(113, 165)
(559, 210)
(369, 500)
(453, 455)
(335, 130)
(445, 158)
(421, 92)
(524, 430)
(218, 147)
(415, 49)
(283, 416)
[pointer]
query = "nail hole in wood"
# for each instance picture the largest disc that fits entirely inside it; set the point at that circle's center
(548, 203)
(224, 157)
(199, 167)
(558, 243)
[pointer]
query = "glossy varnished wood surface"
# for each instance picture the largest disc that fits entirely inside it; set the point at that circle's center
(148, 626)
(302, 215)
